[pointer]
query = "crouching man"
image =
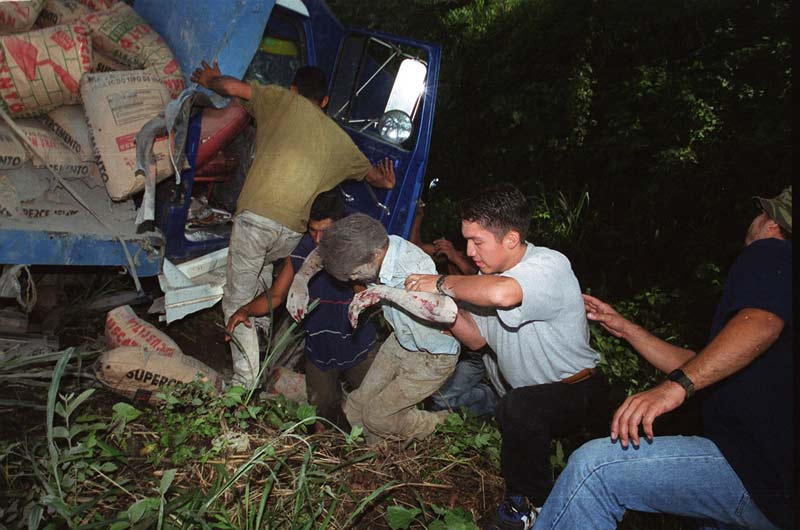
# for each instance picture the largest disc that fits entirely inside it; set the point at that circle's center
(418, 356)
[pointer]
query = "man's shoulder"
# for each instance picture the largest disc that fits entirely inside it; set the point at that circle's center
(764, 254)
(540, 259)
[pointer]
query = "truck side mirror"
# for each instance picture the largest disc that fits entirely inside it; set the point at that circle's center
(396, 123)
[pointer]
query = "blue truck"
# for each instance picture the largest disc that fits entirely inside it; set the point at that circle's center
(382, 93)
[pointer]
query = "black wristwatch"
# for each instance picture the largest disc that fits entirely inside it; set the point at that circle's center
(439, 283)
(679, 377)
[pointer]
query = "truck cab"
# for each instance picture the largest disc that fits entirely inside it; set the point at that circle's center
(382, 93)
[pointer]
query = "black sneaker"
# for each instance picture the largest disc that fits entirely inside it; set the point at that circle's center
(515, 513)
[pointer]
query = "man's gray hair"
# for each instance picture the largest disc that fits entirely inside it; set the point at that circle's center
(351, 242)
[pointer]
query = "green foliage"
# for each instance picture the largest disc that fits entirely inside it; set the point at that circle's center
(400, 517)
(466, 434)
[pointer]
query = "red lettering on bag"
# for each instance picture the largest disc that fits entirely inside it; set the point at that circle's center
(63, 40)
(126, 142)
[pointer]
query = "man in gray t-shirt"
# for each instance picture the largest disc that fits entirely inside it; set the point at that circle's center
(526, 304)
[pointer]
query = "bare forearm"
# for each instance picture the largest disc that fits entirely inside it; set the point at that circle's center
(484, 291)
(466, 331)
(660, 353)
(746, 336)
(230, 87)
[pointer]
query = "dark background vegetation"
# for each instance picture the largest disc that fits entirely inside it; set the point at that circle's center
(640, 130)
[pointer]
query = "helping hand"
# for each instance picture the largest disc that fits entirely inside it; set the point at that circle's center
(606, 316)
(422, 282)
(206, 73)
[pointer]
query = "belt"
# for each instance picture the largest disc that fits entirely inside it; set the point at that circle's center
(584, 374)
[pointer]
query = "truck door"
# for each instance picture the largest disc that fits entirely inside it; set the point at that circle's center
(383, 91)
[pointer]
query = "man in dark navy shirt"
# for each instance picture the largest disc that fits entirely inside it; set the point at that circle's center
(332, 346)
(740, 473)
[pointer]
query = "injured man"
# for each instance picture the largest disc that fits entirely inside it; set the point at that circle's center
(420, 354)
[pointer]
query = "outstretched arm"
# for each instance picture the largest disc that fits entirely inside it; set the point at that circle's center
(485, 290)
(210, 77)
(297, 300)
(660, 353)
(427, 306)
(746, 336)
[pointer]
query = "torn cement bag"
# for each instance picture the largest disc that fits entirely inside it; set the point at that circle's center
(57, 12)
(40, 70)
(68, 123)
(117, 105)
(124, 328)
(12, 153)
(139, 374)
(18, 17)
(52, 152)
(122, 34)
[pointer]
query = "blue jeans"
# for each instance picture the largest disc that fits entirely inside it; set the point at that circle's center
(681, 475)
(464, 389)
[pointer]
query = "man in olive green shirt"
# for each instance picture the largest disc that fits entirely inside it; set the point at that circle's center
(299, 153)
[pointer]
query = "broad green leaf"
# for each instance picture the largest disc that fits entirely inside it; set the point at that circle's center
(35, 517)
(141, 508)
(305, 412)
(125, 412)
(75, 403)
(60, 432)
(166, 480)
(399, 517)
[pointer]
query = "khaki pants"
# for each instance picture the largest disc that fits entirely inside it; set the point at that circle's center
(255, 243)
(385, 403)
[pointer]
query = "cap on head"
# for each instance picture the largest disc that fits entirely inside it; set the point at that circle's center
(779, 208)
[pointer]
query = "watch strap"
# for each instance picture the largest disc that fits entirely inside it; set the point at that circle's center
(439, 283)
(677, 376)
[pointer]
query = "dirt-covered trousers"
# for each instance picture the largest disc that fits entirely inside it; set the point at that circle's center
(255, 243)
(529, 418)
(324, 389)
(385, 403)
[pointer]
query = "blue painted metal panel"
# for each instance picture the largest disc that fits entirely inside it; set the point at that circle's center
(198, 30)
(410, 166)
(38, 247)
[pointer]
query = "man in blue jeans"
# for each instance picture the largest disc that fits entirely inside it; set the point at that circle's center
(740, 473)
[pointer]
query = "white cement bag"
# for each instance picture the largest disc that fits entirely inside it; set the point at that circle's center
(40, 70)
(12, 154)
(18, 16)
(125, 328)
(117, 105)
(103, 63)
(68, 123)
(122, 34)
(52, 152)
(139, 374)
(56, 12)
